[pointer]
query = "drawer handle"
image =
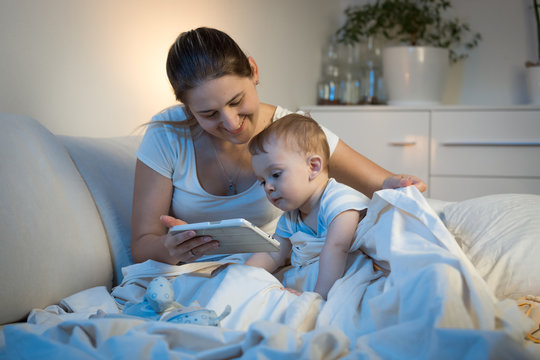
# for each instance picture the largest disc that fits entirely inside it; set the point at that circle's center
(402, 143)
(491, 143)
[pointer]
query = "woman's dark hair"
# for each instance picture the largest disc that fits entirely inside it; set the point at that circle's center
(203, 54)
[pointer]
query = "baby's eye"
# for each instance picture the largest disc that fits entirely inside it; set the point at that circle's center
(262, 182)
(276, 175)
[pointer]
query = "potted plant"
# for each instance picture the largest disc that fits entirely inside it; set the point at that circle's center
(533, 68)
(426, 38)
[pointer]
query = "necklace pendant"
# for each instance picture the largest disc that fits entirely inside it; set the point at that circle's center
(231, 188)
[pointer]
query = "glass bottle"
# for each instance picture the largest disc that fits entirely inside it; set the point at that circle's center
(350, 75)
(372, 81)
(328, 91)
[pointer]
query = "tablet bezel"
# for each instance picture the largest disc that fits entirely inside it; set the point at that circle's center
(235, 236)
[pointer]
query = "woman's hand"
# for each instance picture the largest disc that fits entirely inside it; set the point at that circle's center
(152, 197)
(185, 246)
(397, 181)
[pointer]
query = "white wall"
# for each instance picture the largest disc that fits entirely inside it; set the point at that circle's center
(96, 67)
(495, 72)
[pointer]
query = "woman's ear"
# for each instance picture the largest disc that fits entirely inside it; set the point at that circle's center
(254, 70)
(315, 163)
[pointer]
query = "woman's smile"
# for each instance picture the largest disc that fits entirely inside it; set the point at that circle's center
(239, 129)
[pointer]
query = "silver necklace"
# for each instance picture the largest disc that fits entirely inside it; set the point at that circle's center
(231, 180)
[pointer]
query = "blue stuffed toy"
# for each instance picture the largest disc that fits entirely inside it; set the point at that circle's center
(159, 304)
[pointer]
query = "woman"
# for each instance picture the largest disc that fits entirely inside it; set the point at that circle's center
(193, 162)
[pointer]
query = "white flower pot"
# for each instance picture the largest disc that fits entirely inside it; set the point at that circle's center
(532, 75)
(414, 75)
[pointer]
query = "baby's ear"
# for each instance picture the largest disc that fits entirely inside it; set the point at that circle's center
(315, 163)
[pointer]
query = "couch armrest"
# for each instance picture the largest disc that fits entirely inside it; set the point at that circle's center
(53, 241)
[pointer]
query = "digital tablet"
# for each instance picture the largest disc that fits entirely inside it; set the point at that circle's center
(234, 236)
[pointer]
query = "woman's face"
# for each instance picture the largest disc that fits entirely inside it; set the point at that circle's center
(227, 107)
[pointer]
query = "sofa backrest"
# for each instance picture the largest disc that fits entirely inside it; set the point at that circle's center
(53, 242)
(107, 165)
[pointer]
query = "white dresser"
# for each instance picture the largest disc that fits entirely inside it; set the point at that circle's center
(460, 151)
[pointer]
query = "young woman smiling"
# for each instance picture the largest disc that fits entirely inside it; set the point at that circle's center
(193, 164)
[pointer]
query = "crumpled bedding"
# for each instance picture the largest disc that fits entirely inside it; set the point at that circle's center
(426, 302)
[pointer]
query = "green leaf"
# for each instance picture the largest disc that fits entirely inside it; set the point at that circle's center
(415, 22)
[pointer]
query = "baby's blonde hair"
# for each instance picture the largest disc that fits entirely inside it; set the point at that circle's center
(298, 132)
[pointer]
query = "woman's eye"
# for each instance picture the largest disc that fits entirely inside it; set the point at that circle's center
(236, 102)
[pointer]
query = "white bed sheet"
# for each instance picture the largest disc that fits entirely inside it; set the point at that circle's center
(432, 304)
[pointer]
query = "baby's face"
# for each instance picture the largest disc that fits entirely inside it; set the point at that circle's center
(284, 174)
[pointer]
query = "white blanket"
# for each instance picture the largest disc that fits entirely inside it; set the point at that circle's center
(432, 304)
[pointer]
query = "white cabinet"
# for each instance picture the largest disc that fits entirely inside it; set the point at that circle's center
(461, 152)
(481, 152)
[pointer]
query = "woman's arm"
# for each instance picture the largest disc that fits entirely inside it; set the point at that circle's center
(333, 258)
(351, 168)
(152, 196)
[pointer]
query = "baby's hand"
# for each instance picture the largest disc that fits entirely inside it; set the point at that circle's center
(397, 181)
(295, 292)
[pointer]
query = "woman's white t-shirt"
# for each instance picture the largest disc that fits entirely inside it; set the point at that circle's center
(169, 150)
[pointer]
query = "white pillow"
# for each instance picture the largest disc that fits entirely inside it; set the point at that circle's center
(501, 236)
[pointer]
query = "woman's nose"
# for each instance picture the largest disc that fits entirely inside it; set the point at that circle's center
(230, 120)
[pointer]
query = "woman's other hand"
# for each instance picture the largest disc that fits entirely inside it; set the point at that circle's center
(185, 246)
(397, 181)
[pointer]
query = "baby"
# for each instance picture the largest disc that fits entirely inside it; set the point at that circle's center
(290, 159)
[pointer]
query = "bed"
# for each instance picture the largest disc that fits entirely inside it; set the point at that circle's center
(464, 279)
